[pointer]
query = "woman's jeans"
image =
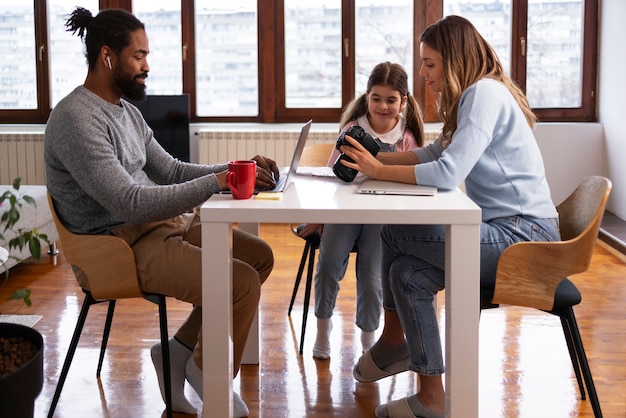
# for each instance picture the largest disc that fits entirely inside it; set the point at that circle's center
(413, 273)
(335, 246)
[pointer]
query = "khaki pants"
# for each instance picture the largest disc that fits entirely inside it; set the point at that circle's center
(168, 256)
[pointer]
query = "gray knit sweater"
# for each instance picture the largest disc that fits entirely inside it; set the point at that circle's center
(104, 168)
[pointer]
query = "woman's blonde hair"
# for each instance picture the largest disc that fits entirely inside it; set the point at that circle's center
(394, 76)
(467, 57)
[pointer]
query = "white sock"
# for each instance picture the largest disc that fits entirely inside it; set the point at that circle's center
(367, 339)
(178, 358)
(240, 409)
(193, 373)
(321, 348)
(194, 376)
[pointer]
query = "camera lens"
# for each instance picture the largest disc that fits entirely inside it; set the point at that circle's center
(348, 174)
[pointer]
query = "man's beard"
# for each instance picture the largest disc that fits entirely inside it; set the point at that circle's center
(130, 87)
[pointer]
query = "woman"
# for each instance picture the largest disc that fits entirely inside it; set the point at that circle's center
(487, 142)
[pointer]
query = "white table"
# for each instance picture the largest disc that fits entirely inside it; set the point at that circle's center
(319, 200)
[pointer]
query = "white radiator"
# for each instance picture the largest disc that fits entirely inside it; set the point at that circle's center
(215, 147)
(21, 155)
(220, 146)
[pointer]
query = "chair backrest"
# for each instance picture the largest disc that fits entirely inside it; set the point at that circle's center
(316, 155)
(580, 216)
(107, 261)
(529, 272)
(577, 212)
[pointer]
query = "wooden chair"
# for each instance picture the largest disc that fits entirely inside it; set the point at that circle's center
(312, 156)
(316, 155)
(109, 264)
(534, 274)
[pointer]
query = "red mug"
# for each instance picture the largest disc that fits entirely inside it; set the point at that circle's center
(241, 178)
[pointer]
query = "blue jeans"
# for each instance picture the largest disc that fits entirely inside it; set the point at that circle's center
(413, 273)
(334, 252)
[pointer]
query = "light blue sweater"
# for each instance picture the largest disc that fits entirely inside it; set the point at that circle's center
(495, 152)
(104, 167)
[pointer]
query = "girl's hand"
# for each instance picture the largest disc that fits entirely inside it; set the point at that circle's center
(309, 229)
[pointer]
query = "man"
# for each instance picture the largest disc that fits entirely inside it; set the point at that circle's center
(107, 174)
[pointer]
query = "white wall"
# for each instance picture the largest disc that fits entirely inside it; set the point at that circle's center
(571, 151)
(612, 98)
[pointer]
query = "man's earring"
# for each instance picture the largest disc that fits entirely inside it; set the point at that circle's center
(109, 61)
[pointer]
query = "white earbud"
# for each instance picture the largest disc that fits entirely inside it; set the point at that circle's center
(109, 61)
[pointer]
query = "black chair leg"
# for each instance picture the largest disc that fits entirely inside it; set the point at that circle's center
(296, 285)
(159, 300)
(52, 249)
(584, 364)
(573, 356)
(105, 335)
(307, 295)
(165, 351)
(89, 300)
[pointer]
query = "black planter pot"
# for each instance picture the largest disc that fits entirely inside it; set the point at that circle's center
(18, 390)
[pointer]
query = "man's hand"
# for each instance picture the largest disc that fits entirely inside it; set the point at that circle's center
(221, 179)
(267, 172)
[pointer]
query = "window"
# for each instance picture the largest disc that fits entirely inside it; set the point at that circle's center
(313, 54)
(163, 26)
(383, 32)
(554, 54)
(289, 60)
(226, 39)
(19, 52)
(493, 20)
(544, 45)
(322, 55)
(68, 64)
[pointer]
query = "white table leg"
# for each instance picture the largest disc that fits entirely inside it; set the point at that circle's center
(217, 296)
(251, 352)
(462, 317)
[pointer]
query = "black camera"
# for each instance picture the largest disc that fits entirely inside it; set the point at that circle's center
(348, 174)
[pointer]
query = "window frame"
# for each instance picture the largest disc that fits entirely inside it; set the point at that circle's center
(271, 73)
(587, 111)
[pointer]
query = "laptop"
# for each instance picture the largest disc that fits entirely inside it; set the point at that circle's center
(287, 173)
(371, 186)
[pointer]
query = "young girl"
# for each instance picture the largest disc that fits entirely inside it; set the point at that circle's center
(486, 141)
(393, 118)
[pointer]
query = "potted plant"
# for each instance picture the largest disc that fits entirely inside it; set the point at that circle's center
(11, 202)
(21, 347)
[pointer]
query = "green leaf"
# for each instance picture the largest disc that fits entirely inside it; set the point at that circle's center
(35, 247)
(16, 183)
(23, 294)
(29, 200)
(18, 242)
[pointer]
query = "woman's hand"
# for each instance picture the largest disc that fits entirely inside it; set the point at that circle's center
(392, 166)
(267, 172)
(364, 161)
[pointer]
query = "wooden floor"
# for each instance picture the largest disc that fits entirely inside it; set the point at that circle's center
(525, 369)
